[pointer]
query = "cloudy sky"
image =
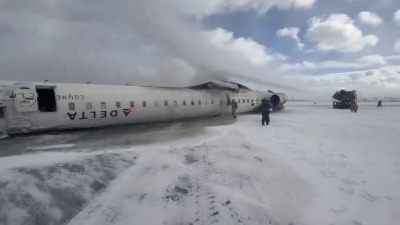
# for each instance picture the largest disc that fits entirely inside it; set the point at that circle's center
(306, 48)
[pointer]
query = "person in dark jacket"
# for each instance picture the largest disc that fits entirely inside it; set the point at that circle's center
(379, 103)
(265, 107)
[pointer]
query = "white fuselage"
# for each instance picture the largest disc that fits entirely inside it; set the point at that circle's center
(29, 107)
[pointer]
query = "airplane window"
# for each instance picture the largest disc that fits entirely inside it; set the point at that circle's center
(192, 102)
(155, 103)
(103, 105)
(199, 102)
(212, 101)
(206, 101)
(252, 100)
(256, 99)
(238, 100)
(166, 103)
(71, 106)
(244, 100)
(118, 105)
(175, 103)
(248, 101)
(144, 104)
(89, 105)
(184, 102)
(132, 104)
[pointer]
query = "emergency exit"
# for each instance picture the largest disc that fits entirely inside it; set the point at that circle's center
(3, 121)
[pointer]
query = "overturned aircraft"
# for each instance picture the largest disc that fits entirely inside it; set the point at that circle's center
(36, 106)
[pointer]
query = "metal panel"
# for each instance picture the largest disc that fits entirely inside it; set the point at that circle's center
(26, 98)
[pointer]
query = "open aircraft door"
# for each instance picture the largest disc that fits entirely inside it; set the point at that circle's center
(26, 98)
(228, 100)
(3, 121)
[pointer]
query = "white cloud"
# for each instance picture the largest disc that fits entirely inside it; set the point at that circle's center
(305, 65)
(385, 77)
(338, 33)
(396, 16)
(304, 3)
(339, 65)
(308, 65)
(369, 18)
(241, 47)
(146, 42)
(211, 7)
(392, 58)
(330, 64)
(288, 32)
(396, 45)
(291, 32)
(371, 60)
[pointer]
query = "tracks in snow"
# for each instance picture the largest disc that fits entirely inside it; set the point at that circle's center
(181, 187)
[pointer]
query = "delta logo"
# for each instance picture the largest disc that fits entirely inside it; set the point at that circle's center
(127, 111)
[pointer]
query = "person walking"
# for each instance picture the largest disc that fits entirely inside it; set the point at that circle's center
(353, 106)
(265, 107)
(234, 107)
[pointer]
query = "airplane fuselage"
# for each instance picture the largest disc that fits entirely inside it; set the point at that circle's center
(35, 106)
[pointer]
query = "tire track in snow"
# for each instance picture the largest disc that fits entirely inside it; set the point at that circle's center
(202, 197)
(212, 206)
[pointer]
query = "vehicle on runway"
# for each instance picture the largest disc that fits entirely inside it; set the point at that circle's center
(343, 99)
(39, 106)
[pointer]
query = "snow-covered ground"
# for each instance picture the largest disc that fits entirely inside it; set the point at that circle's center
(312, 165)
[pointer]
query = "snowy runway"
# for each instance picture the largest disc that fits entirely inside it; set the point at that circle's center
(312, 165)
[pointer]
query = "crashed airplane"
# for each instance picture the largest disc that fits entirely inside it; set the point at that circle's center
(27, 107)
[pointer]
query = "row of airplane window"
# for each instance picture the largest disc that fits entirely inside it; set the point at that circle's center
(103, 105)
